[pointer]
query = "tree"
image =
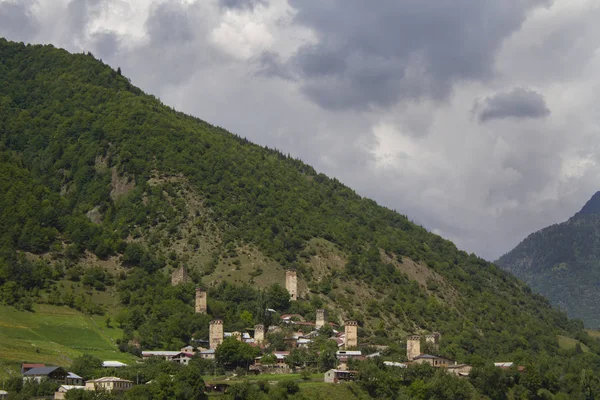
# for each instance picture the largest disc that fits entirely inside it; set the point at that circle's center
(278, 297)
(86, 365)
(232, 354)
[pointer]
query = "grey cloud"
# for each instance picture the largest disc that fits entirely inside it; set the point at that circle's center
(17, 22)
(269, 65)
(241, 3)
(169, 24)
(105, 44)
(518, 103)
(376, 53)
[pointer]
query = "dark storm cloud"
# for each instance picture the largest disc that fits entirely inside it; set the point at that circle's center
(169, 24)
(241, 3)
(518, 103)
(105, 44)
(372, 54)
(269, 64)
(16, 21)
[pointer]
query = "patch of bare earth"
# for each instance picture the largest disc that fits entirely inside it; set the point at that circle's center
(120, 185)
(429, 280)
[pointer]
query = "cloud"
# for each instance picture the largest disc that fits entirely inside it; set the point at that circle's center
(518, 103)
(17, 21)
(241, 3)
(374, 55)
(377, 94)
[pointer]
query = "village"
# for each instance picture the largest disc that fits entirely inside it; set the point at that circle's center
(298, 334)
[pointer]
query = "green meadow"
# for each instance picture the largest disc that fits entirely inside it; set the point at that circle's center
(54, 335)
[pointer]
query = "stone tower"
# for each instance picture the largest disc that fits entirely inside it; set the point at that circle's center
(413, 347)
(321, 318)
(237, 336)
(291, 283)
(200, 301)
(433, 341)
(351, 330)
(180, 275)
(215, 333)
(259, 333)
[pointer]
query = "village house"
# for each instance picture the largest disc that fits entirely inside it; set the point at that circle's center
(174, 356)
(208, 354)
(459, 369)
(113, 364)
(3, 394)
(338, 376)
(53, 374)
(434, 361)
(109, 384)
(61, 393)
(74, 380)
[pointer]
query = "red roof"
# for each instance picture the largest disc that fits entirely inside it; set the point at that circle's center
(26, 367)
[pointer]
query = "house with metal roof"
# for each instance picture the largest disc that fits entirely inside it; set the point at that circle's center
(54, 374)
(109, 384)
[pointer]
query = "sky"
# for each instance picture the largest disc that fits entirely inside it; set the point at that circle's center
(476, 119)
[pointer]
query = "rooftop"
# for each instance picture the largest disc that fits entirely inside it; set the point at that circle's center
(113, 364)
(109, 379)
(41, 371)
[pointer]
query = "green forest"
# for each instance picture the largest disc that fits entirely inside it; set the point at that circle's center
(93, 168)
(562, 262)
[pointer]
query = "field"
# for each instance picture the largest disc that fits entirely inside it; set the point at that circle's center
(567, 343)
(53, 335)
(314, 388)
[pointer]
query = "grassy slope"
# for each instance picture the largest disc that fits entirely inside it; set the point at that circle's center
(53, 335)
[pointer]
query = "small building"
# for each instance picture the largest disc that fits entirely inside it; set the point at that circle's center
(281, 356)
(394, 364)
(188, 349)
(73, 380)
(53, 374)
(182, 358)
(459, 369)
(3, 394)
(109, 384)
(113, 364)
(337, 376)
(175, 356)
(61, 393)
(208, 354)
(434, 361)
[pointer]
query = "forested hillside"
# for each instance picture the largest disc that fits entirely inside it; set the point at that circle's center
(103, 186)
(562, 262)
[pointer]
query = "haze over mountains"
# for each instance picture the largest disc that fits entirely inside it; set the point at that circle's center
(562, 262)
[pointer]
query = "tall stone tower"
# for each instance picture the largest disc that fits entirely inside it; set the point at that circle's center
(215, 333)
(200, 301)
(237, 336)
(413, 347)
(351, 330)
(433, 340)
(180, 275)
(259, 333)
(321, 318)
(291, 283)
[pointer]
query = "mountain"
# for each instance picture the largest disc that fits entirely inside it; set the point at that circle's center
(562, 262)
(104, 191)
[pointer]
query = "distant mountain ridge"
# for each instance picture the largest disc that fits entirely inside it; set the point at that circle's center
(592, 206)
(562, 262)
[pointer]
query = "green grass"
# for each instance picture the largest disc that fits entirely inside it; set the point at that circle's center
(567, 343)
(53, 335)
(593, 333)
